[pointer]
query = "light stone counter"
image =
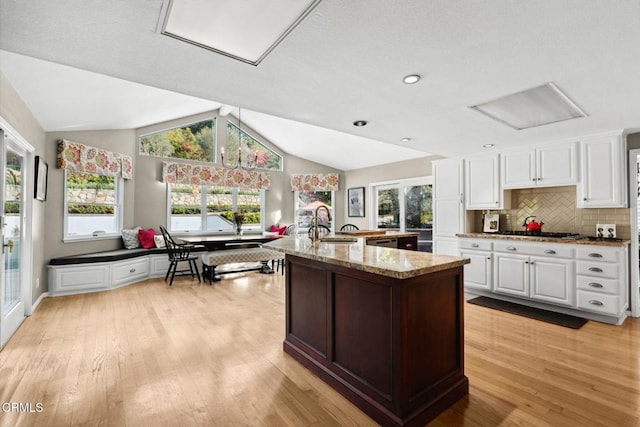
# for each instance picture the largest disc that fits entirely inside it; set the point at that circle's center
(390, 262)
(573, 241)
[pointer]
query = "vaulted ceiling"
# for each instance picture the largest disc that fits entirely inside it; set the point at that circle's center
(344, 62)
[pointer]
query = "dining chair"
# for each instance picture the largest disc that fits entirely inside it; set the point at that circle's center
(179, 252)
(323, 230)
(349, 227)
(276, 264)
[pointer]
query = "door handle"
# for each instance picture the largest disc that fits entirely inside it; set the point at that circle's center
(9, 245)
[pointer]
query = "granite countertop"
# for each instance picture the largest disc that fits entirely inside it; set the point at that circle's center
(390, 262)
(573, 240)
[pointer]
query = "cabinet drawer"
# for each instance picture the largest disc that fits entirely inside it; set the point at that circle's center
(130, 270)
(599, 303)
(478, 244)
(79, 279)
(598, 269)
(595, 253)
(599, 285)
(542, 249)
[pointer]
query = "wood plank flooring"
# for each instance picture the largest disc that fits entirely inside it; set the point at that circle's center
(195, 355)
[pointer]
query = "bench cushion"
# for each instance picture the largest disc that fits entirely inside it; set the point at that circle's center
(230, 256)
(109, 256)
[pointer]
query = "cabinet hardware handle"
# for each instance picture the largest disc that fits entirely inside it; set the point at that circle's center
(550, 252)
(474, 245)
(532, 263)
(595, 302)
(133, 270)
(595, 269)
(511, 248)
(585, 199)
(489, 258)
(539, 179)
(595, 255)
(534, 180)
(527, 262)
(595, 285)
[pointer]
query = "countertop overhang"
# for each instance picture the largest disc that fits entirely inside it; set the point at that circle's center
(573, 241)
(390, 262)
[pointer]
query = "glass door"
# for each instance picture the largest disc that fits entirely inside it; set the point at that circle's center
(12, 204)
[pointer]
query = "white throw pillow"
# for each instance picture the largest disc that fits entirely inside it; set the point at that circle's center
(130, 238)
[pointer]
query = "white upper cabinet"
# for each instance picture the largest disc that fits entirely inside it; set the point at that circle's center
(545, 166)
(603, 182)
(483, 182)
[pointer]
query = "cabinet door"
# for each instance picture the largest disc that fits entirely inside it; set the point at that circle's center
(519, 169)
(511, 274)
(446, 246)
(447, 179)
(552, 280)
(483, 182)
(603, 173)
(557, 164)
(448, 200)
(477, 274)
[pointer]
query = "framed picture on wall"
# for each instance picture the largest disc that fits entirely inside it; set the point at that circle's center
(355, 200)
(40, 190)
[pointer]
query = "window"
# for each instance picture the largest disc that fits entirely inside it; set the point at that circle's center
(191, 142)
(265, 157)
(406, 206)
(203, 208)
(93, 205)
(306, 203)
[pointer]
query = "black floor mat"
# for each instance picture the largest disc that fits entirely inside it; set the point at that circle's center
(531, 312)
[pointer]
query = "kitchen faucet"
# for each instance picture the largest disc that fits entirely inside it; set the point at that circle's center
(315, 235)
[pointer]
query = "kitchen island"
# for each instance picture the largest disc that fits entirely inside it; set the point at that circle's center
(382, 326)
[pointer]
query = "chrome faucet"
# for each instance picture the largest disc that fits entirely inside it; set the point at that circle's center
(316, 235)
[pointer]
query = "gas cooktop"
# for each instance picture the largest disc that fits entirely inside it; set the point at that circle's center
(537, 233)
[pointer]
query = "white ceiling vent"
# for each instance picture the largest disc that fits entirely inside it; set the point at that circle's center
(245, 30)
(533, 107)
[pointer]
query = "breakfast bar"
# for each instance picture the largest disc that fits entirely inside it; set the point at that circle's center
(382, 326)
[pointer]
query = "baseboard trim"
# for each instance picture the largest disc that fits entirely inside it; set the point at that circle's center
(35, 305)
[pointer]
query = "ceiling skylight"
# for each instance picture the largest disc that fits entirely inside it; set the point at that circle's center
(246, 30)
(533, 107)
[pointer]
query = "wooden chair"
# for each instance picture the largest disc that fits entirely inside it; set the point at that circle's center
(278, 263)
(323, 230)
(349, 227)
(179, 252)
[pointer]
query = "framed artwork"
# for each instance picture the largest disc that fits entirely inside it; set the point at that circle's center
(355, 199)
(40, 190)
(491, 223)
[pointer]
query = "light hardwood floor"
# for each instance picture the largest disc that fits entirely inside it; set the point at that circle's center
(191, 354)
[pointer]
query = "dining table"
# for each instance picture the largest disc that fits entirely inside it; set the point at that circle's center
(225, 242)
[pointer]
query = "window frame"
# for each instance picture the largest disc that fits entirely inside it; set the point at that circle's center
(203, 213)
(118, 213)
(296, 198)
(257, 141)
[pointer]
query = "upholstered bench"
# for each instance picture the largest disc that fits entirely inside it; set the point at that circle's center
(240, 254)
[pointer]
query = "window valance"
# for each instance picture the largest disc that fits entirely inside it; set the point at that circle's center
(84, 158)
(314, 182)
(186, 173)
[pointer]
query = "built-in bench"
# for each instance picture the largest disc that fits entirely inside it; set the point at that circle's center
(100, 271)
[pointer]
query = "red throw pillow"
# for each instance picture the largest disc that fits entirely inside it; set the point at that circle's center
(279, 230)
(146, 238)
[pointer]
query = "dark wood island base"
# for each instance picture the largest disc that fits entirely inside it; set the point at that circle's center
(392, 346)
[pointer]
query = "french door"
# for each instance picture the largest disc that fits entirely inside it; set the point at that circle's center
(405, 206)
(12, 265)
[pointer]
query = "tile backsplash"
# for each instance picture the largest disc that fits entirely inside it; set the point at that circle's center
(556, 207)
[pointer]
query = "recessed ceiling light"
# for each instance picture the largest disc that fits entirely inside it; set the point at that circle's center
(411, 79)
(360, 123)
(487, 146)
(405, 139)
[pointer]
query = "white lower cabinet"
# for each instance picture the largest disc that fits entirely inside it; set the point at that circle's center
(129, 271)
(586, 278)
(479, 272)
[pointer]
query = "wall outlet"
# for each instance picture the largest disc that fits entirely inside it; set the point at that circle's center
(37, 282)
(607, 231)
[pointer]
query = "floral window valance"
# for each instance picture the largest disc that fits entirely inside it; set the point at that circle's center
(186, 173)
(84, 158)
(314, 182)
